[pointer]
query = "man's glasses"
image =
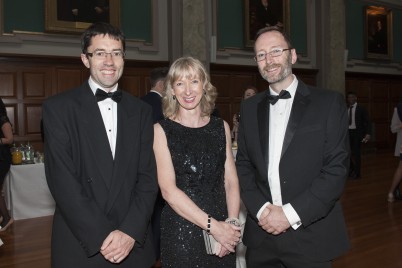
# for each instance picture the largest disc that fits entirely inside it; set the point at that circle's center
(100, 54)
(273, 53)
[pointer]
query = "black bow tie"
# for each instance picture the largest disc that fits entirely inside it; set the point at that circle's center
(274, 98)
(101, 95)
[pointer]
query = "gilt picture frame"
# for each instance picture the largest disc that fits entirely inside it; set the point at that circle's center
(378, 33)
(74, 16)
(261, 13)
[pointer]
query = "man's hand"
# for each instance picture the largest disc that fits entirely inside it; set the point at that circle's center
(366, 138)
(117, 246)
(273, 220)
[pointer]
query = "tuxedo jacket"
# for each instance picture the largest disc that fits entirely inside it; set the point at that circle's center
(362, 121)
(313, 169)
(155, 100)
(94, 193)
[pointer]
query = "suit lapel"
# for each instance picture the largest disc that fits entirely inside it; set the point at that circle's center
(299, 106)
(97, 140)
(263, 126)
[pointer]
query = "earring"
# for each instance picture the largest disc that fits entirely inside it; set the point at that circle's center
(205, 93)
(174, 97)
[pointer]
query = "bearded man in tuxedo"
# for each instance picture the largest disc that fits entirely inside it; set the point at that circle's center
(292, 163)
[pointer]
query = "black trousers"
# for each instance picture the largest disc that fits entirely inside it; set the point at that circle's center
(355, 145)
(280, 252)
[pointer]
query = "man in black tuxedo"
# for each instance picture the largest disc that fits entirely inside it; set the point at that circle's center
(292, 162)
(154, 98)
(359, 132)
(100, 165)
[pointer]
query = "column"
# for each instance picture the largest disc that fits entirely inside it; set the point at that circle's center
(331, 44)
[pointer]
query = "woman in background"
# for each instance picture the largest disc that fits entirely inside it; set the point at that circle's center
(396, 127)
(6, 138)
(196, 172)
(249, 92)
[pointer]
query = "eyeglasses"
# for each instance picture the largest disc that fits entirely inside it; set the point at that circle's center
(274, 53)
(100, 54)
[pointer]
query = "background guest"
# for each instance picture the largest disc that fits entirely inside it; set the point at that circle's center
(154, 96)
(396, 127)
(249, 92)
(196, 171)
(6, 138)
(359, 132)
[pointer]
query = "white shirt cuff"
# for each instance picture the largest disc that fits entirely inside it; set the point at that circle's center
(292, 216)
(262, 209)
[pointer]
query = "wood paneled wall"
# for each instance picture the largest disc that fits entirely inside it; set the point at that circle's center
(26, 81)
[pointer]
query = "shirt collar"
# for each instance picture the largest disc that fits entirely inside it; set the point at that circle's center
(152, 90)
(291, 88)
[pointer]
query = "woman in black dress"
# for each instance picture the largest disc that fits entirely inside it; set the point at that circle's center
(196, 172)
(6, 138)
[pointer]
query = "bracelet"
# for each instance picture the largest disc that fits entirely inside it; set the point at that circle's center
(209, 224)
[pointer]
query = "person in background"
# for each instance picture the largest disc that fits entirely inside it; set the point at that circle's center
(6, 138)
(154, 98)
(396, 127)
(359, 132)
(292, 163)
(196, 172)
(99, 164)
(249, 92)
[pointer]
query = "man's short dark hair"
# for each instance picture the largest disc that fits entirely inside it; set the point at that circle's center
(158, 74)
(101, 28)
(274, 29)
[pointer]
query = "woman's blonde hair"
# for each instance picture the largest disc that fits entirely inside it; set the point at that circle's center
(188, 67)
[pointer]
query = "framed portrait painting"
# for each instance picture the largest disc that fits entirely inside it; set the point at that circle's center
(74, 16)
(262, 13)
(378, 32)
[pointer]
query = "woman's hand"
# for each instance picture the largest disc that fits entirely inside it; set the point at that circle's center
(226, 234)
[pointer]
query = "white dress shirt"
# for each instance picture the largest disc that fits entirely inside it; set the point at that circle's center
(108, 109)
(278, 121)
(353, 110)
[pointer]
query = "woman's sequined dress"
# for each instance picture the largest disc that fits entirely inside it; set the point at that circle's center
(199, 156)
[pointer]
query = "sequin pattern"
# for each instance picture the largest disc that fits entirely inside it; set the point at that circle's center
(198, 156)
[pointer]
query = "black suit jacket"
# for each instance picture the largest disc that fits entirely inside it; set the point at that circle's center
(362, 121)
(313, 169)
(155, 100)
(94, 193)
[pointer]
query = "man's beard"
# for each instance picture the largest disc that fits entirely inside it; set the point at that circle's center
(286, 70)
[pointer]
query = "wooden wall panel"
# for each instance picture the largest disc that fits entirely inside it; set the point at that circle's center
(222, 84)
(67, 79)
(132, 84)
(34, 85)
(33, 115)
(8, 82)
(240, 83)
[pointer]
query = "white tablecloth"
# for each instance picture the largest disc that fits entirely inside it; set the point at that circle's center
(26, 192)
